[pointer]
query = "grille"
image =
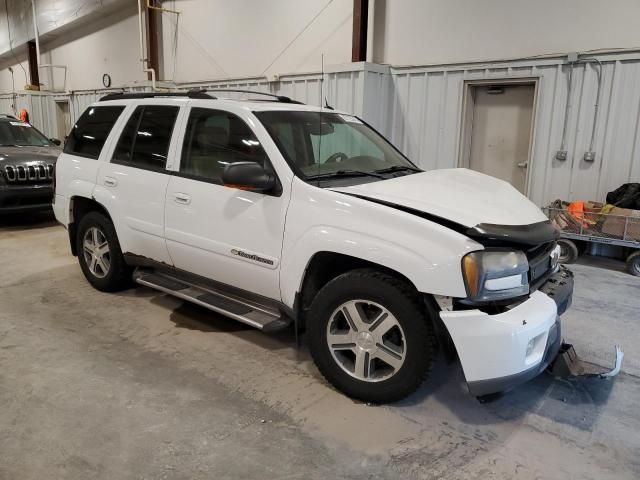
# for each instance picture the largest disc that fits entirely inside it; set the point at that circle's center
(539, 263)
(34, 173)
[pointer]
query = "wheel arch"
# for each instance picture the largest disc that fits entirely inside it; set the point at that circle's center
(79, 206)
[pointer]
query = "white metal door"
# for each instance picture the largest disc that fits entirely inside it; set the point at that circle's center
(63, 118)
(501, 132)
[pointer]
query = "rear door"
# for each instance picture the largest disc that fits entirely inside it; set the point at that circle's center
(133, 184)
(78, 165)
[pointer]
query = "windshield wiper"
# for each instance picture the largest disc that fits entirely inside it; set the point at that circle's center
(344, 173)
(398, 168)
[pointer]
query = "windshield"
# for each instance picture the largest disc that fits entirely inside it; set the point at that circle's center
(325, 145)
(17, 133)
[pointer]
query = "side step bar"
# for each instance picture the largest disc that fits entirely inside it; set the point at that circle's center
(262, 317)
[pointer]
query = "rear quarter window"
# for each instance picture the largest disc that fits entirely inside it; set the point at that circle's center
(88, 135)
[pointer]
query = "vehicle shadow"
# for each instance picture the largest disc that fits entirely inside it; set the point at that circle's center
(576, 402)
(26, 221)
(546, 396)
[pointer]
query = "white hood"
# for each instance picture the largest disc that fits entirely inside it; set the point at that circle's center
(457, 194)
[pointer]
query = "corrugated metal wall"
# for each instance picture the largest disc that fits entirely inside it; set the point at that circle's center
(425, 119)
(420, 110)
(42, 105)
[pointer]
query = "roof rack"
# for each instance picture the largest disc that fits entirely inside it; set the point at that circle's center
(128, 96)
(279, 98)
(197, 93)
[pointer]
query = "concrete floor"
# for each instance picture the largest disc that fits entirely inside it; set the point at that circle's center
(139, 385)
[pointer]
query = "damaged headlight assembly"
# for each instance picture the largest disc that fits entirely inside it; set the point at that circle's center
(491, 275)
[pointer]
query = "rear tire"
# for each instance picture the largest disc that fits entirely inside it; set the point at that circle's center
(568, 251)
(363, 319)
(99, 254)
(633, 263)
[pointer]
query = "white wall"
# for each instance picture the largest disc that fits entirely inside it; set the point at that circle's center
(240, 38)
(421, 32)
(109, 45)
(103, 45)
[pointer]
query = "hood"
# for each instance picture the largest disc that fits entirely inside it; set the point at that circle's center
(459, 195)
(28, 154)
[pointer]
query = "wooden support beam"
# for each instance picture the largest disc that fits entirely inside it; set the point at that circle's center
(360, 23)
(33, 63)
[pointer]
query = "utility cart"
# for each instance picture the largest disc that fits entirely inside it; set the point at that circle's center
(582, 230)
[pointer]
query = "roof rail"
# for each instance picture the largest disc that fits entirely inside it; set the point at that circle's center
(128, 96)
(279, 98)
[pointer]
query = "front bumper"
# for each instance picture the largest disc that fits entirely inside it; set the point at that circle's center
(493, 348)
(23, 198)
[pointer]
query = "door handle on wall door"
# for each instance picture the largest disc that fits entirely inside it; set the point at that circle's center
(182, 198)
(110, 182)
(523, 164)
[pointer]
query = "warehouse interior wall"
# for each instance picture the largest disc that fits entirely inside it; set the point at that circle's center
(276, 46)
(213, 39)
(100, 45)
(428, 32)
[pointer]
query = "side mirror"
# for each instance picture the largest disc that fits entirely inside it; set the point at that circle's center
(248, 176)
(55, 141)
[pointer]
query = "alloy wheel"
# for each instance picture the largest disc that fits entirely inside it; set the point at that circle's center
(366, 340)
(96, 252)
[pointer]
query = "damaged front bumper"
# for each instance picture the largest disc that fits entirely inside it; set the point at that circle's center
(503, 350)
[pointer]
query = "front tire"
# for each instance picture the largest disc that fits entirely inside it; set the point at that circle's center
(99, 254)
(370, 337)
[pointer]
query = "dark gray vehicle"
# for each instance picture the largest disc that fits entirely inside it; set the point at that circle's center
(27, 162)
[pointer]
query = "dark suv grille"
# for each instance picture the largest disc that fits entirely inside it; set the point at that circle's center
(25, 174)
(539, 263)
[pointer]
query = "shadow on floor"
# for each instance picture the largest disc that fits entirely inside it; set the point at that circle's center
(26, 221)
(575, 402)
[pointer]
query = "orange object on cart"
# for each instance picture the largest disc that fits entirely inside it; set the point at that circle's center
(576, 210)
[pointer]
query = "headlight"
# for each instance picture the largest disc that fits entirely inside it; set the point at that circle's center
(495, 275)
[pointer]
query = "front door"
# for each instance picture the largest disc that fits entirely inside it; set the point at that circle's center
(218, 232)
(501, 132)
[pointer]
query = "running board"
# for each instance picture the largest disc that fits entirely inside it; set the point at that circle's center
(256, 315)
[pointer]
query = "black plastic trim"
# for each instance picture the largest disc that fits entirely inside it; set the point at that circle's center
(559, 287)
(532, 234)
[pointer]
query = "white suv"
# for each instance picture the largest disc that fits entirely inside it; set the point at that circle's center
(272, 212)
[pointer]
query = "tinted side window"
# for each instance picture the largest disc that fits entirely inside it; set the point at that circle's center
(144, 142)
(88, 135)
(214, 139)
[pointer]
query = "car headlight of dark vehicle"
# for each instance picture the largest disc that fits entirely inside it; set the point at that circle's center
(495, 275)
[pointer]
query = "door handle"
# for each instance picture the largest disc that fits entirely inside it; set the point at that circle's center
(523, 165)
(182, 198)
(110, 182)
